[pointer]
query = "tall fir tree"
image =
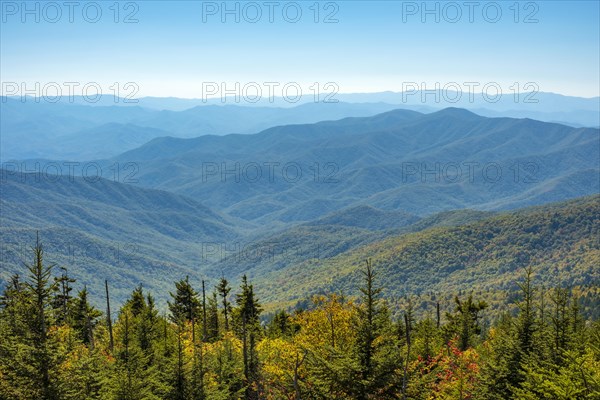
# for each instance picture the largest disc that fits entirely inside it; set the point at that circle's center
(464, 322)
(223, 288)
(85, 318)
(185, 305)
(248, 328)
(41, 291)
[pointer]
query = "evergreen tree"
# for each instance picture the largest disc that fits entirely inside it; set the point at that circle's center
(281, 325)
(185, 305)
(223, 288)
(560, 322)
(85, 318)
(368, 326)
(40, 319)
(17, 368)
(248, 327)
(373, 328)
(62, 297)
(527, 321)
(136, 303)
(464, 322)
(16, 304)
(148, 327)
(213, 318)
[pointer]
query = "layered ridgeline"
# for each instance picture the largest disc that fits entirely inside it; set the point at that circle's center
(106, 230)
(99, 229)
(302, 192)
(84, 131)
(399, 160)
(560, 241)
(79, 128)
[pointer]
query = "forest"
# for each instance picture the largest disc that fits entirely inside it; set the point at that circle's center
(218, 343)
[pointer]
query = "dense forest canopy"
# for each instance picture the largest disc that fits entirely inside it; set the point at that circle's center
(213, 344)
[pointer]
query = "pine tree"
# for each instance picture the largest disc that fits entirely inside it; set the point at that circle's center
(248, 328)
(185, 305)
(213, 318)
(368, 322)
(560, 322)
(464, 322)
(281, 325)
(223, 288)
(374, 343)
(204, 318)
(15, 304)
(180, 387)
(85, 318)
(428, 334)
(148, 327)
(135, 374)
(41, 291)
(527, 322)
(136, 303)
(17, 368)
(62, 298)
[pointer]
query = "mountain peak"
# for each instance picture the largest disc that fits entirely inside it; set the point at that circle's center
(456, 112)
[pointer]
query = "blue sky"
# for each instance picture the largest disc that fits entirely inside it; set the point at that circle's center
(374, 46)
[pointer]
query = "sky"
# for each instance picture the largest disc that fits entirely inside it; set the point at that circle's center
(193, 49)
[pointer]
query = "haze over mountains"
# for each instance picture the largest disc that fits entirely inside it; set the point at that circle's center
(399, 160)
(76, 129)
(85, 132)
(277, 199)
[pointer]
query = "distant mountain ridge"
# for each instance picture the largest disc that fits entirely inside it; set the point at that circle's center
(86, 132)
(76, 129)
(398, 160)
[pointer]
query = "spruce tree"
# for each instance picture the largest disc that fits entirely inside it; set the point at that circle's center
(223, 288)
(62, 297)
(85, 318)
(248, 328)
(40, 319)
(464, 322)
(185, 305)
(368, 325)
(375, 347)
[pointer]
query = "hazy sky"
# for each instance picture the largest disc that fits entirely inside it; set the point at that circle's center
(175, 47)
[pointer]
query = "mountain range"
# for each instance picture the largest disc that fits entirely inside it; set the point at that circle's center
(75, 129)
(398, 160)
(308, 202)
(81, 131)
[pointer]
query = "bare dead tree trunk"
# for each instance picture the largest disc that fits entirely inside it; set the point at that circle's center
(109, 318)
